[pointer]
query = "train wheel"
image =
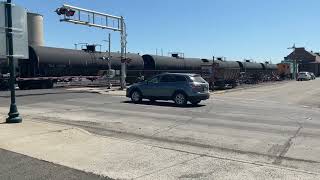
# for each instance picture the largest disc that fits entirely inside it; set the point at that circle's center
(234, 84)
(22, 86)
(4, 85)
(49, 84)
(211, 86)
(43, 85)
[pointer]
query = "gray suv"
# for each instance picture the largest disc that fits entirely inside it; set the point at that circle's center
(178, 87)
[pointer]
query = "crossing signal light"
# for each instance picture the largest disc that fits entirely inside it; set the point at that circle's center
(70, 12)
(65, 11)
(61, 11)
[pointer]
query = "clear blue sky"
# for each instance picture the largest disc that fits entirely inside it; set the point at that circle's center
(236, 29)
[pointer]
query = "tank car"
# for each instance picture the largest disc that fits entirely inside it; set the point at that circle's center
(221, 73)
(270, 71)
(250, 72)
(154, 64)
(47, 64)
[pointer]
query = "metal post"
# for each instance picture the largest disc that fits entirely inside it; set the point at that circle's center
(14, 116)
(295, 63)
(295, 66)
(123, 60)
(296, 69)
(109, 59)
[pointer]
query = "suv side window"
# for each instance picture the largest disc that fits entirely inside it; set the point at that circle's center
(181, 79)
(168, 78)
(154, 80)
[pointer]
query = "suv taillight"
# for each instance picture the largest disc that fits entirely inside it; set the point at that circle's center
(196, 87)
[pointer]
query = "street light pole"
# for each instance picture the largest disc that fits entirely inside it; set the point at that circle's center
(123, 54)
(14, 116)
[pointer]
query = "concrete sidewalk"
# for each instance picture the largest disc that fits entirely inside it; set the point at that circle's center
(122, 159)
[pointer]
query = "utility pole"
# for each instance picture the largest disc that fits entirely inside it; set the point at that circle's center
(295, 62)
(109, 59)
(14, 116)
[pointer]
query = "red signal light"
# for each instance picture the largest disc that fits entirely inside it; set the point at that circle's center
(70, 12)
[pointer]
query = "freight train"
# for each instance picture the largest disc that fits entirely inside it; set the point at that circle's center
(221, 73)
(48, 65)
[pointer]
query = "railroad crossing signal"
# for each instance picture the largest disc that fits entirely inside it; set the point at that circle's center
(91, 18)
(65, 11)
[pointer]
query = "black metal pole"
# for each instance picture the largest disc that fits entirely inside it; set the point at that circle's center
(109, 60)
(14, 116)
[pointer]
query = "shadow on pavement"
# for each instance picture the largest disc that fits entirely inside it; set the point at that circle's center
(164, 103)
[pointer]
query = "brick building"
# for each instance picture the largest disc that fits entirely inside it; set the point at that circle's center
(307, 60)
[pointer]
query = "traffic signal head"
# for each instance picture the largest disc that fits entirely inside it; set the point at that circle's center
(61, 11)
(65, 11)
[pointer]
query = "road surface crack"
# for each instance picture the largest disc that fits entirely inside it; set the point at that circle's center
(162, 169)
(287, 146)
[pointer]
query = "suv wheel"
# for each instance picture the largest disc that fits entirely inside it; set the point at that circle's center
(180, 99)
(136, 96)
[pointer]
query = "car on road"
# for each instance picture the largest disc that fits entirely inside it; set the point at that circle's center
(179, 87)
(304, 76)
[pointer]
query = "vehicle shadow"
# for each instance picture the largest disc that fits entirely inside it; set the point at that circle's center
(164, 103)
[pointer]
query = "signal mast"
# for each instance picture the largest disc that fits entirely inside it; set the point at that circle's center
(91, 18)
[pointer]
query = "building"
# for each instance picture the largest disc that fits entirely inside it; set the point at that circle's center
(307, 60)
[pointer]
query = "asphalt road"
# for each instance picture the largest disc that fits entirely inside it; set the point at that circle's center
(271, 125)
(16, 166)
